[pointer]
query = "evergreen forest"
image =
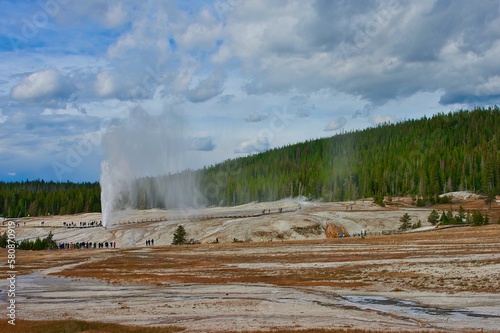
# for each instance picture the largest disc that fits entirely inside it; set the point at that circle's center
(422, 158)
(35, 198)
(426, 157)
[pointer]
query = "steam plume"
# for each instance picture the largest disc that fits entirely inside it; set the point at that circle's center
(143, 146)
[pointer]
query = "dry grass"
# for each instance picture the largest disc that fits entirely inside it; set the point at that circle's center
(28, 262)
(77, 326)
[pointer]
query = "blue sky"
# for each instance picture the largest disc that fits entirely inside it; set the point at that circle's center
(242, 76)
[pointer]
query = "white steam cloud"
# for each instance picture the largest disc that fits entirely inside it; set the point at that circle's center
(144, 147)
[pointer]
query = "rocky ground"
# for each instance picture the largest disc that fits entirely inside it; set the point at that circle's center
(440, 280)
(298, 220)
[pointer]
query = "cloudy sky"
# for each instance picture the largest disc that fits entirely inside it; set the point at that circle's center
(240, 76)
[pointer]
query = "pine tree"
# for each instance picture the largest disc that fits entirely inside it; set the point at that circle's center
(405, 222)
(179, 236)
(49, 241)
(490, 198)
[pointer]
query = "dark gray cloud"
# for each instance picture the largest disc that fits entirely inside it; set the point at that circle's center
(387, 50)
(375, 50)
(335, 22)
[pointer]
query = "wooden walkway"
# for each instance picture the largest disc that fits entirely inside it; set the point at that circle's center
(200, 217)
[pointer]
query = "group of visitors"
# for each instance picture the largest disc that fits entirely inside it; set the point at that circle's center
(82, 224)
(87, 245)
(360, 234)
(150, 242)
(268, 211)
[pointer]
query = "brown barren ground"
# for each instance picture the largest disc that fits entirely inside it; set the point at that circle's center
(444, 280)
(444, 264)
(449, 260)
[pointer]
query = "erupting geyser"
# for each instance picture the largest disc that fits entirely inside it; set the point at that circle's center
(140, 146)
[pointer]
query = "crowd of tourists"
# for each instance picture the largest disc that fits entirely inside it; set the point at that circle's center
(83, 224)
(87, 245)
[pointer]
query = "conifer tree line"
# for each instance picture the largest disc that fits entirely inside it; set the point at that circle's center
(422, 158)
(36, 198)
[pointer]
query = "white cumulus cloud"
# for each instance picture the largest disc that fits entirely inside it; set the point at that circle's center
(250, 146)
(43, 85)
(375, 120)
(106, 84)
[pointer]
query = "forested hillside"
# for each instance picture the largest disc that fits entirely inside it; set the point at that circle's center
(425, 157)
(38, 197)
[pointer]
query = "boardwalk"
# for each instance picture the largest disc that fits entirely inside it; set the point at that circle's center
(202, 217)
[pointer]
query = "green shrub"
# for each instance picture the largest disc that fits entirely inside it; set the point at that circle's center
(433, 217)
(39, 244)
